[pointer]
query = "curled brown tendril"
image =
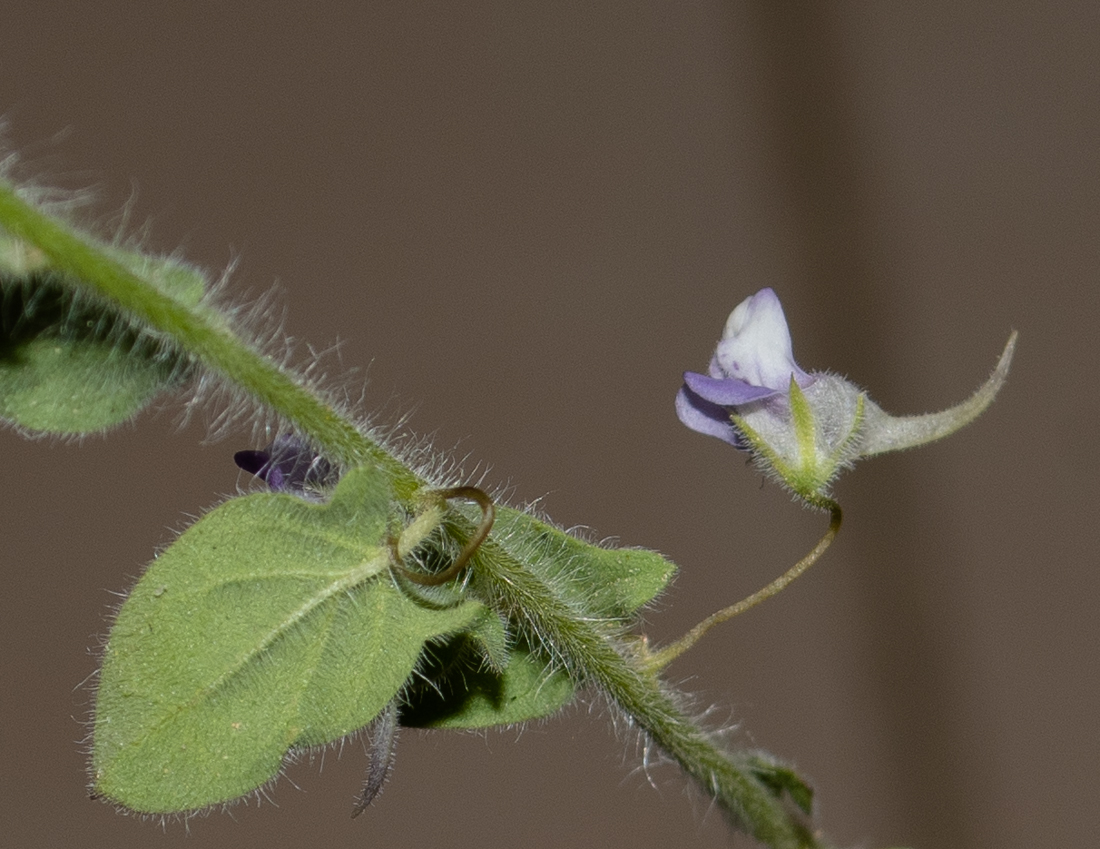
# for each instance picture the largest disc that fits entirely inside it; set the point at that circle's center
(488, 514)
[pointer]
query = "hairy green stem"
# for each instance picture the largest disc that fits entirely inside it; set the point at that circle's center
(202, 334)
(595, 656)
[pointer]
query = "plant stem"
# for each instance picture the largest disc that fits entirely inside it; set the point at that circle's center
(595, 657)
(660, 659)
(203, 335)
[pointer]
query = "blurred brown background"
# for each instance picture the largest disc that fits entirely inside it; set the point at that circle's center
(523, 222)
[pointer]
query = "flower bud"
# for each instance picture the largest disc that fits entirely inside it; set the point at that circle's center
(288, 464)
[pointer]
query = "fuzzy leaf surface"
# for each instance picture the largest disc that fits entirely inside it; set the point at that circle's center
(70, 364)
(270, 624)
(608, 583)
(463, 694)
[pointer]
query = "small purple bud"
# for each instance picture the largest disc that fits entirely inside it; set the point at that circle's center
(288, 464)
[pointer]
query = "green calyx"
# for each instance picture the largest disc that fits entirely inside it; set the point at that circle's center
(802, 448)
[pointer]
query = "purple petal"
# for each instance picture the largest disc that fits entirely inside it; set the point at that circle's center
(728, 391)
(251, 461)
(287, 464)
(706, 418)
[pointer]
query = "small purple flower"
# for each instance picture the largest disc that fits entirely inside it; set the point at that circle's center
(803, 428)
(288, 464)
(754, 362)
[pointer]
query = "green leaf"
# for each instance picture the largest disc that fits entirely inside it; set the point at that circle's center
(69, 365)
(454, 692)
(605, 582)
(270, 624)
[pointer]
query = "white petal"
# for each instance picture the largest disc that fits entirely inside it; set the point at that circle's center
(756, 344)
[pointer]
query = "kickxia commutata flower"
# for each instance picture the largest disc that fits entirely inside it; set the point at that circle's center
(803, 427)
